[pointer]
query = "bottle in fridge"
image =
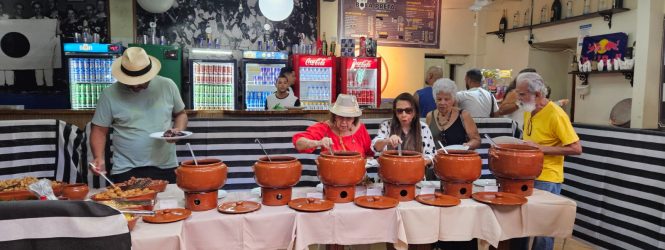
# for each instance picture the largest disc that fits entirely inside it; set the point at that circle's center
(261, 70)
(361, 77)
(315, 81)
(213, 77)
(89, 67)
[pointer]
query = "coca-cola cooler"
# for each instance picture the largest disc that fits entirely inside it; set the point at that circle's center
(316, 84)
(361, 77)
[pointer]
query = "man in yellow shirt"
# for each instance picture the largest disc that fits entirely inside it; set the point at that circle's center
(547, 127)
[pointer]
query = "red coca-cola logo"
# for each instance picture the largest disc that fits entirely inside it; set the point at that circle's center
(316, 62)
(363, 64)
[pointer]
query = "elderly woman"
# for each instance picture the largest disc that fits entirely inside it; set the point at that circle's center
(406, 129)
(342, 132)
(449, 124)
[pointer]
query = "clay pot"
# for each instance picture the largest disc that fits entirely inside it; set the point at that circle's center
(209, 175)
(401, 173)
(457, 170)
(201, 182)
(339, 174)
(276, 177)
(77, 191)
(515, 167)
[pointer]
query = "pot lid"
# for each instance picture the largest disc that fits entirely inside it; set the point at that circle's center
(376, 202)
(438, 199)
(311, 205)
(168, 215)
(238, 207)
(499, 198)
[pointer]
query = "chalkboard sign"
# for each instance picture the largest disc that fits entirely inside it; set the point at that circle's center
(398, 23)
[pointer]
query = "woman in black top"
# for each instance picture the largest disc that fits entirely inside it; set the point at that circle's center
(449, 124)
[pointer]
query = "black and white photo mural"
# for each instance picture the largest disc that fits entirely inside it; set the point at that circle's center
(228, 24)
(31, 37)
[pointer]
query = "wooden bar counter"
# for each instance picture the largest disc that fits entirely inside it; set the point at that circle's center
(81, 117)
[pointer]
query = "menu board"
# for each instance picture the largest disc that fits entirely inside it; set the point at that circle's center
(398, 23)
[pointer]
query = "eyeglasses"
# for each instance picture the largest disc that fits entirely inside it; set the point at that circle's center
(408, 111)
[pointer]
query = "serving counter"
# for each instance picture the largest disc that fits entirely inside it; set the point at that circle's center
(281, 227)
(81, 117)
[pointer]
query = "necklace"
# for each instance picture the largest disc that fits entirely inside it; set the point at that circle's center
(447, 119)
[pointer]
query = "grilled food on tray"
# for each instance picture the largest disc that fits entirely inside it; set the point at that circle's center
(117, 192)
(18, 184)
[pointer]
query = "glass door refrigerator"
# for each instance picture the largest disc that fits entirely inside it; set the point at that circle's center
(315, 81)
(361, 77)
(213, 76)
(261, 69)
(89, 67)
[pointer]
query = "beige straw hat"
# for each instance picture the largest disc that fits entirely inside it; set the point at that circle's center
(135, 67)
(346, 106)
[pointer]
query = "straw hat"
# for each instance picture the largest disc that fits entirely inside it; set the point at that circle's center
(135, 67)
(346, 106)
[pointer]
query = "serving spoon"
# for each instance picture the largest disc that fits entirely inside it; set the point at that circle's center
(102, 174)
(264, 151)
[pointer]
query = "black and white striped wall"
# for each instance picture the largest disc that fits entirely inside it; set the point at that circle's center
(41, 148)
(619, 186)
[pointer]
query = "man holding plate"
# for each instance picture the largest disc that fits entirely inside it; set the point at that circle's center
(138, 104)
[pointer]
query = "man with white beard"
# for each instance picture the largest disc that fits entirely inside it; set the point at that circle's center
(547, 127)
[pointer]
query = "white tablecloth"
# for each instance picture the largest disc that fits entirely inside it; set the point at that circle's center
(410, 223)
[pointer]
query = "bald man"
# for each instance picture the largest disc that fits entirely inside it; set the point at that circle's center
(424, 96)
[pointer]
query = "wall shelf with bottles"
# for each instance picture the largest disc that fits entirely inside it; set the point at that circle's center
(606, 14)
(584, 76)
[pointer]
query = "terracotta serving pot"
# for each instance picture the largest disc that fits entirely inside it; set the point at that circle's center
(457, 170)
(201, 182)
(339, 174)
(401, 173)
(76, 191)
(516, 166)
(276, 177)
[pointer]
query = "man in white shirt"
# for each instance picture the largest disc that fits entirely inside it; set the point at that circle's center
(476, 100)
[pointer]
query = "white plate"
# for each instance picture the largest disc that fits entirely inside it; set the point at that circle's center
(485, 182)
(457, 147)
(221, 194)
(160, 135)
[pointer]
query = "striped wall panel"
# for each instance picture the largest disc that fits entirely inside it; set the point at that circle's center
(492, 126)
(619, 186)
(40, 148)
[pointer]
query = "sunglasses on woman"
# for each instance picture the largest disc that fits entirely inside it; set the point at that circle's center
(408, 111)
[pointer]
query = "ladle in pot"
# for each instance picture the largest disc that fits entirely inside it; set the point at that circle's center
(261, 145)
(193, 156)
(399, 149)
(442, 147)
(491, 141)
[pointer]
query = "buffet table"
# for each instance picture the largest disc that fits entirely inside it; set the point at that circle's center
(346, 224)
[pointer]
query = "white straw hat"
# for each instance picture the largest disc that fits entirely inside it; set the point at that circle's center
(135, 67)
(346, 106)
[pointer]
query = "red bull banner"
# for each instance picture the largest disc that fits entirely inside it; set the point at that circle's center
(604, 47)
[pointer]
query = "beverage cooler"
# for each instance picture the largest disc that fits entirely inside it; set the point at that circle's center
(89, 71)
(213, 77)
(361, 77)
(315, 81)
(260, 72)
